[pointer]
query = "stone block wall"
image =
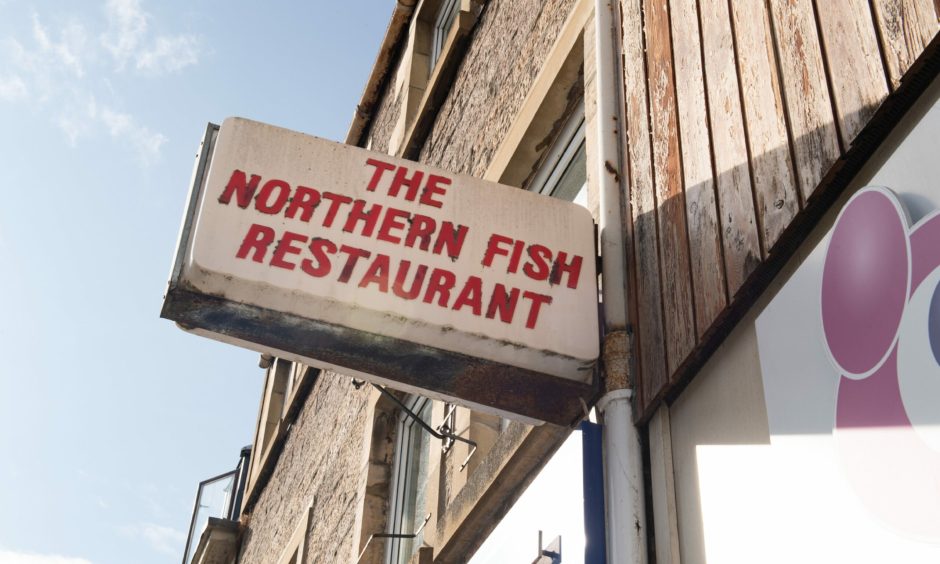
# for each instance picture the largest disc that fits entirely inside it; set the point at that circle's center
(320, 465)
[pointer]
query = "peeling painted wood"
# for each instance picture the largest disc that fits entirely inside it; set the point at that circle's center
(649, 331)
(667, 177)
(735, 198)
(905, 27)
(775, 192)
(858, 78)
(708, 273)
(812, 126)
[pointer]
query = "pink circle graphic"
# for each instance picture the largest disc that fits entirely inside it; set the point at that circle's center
(874, 266)
(866, 282)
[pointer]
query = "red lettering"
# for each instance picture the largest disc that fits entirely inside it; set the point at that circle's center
(452, 238)
(441, 283)
(369, 218)
(336, 200)
(516, 255)
(259, 237)
(401, 179)
(573, 269)
(435, 186)
(422, 227)
(377, 273)
(380, 168)
(537, 301)
(243, 188)
(503, 303)
(399, 286)
(392, 220)
(305, 200)
(286, 247)
(493, 248)
(471, 294)
(537, 268)
(319, 247)
(263, 199)
(354, 255)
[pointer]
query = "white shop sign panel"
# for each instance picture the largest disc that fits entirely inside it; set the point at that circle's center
(850, 362)
(349, 259)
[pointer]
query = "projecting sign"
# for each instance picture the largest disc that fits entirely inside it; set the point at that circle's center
(389, 270)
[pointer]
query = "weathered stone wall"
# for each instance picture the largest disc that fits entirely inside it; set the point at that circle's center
(386, 116)
(509, 46)
(320, 464)
(507, 50)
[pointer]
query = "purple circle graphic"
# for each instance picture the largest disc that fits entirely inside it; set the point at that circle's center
(933, 324)
(865, 281)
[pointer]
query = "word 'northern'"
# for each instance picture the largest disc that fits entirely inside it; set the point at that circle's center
(277, 197)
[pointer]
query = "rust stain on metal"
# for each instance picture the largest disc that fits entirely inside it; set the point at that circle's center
(611, 169)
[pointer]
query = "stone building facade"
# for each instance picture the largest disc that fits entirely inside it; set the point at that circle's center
(741, 129)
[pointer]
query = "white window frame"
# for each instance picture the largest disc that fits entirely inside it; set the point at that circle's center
(404, 490)
(560, 156)
(446, 16)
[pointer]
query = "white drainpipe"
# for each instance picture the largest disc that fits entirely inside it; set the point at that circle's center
(623, 470)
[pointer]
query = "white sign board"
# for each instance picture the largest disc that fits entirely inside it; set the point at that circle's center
(850, 360)
(390, 270)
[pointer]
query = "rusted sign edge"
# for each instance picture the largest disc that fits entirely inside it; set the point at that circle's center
(507, 388)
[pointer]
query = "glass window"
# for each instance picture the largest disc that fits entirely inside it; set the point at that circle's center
(563, 172)
(409, 486)
(213, 499)
(446, 15)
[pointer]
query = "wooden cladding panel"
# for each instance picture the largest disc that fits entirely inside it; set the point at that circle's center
(648, 294)
(858, 76)
(813, 130)
(735, 111)
(667, 177)
(775, 192)
(708, 273)
(905, 28)
(729, 143)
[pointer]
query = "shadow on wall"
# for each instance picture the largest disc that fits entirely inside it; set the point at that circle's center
(701, 255)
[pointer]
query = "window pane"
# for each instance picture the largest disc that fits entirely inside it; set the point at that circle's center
(573, 178)
(214, 501)
(407, 512)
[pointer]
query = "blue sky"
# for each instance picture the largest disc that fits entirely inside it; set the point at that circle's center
(110, 416)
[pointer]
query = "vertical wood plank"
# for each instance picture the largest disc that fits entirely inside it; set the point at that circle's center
(905, 27)
(812, 127)
(678, 320)
(649, 330)
(729, 149)
(708, 273)
(775, 192)
(855, 67)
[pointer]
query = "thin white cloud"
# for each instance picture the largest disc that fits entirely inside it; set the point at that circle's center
(58, 69)
(146, 143)
(126, 40)
(166, 540)
(72, 128)
(69, 51)
(127, 26)
(169, 54)
(11, 557)
(12, 88)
